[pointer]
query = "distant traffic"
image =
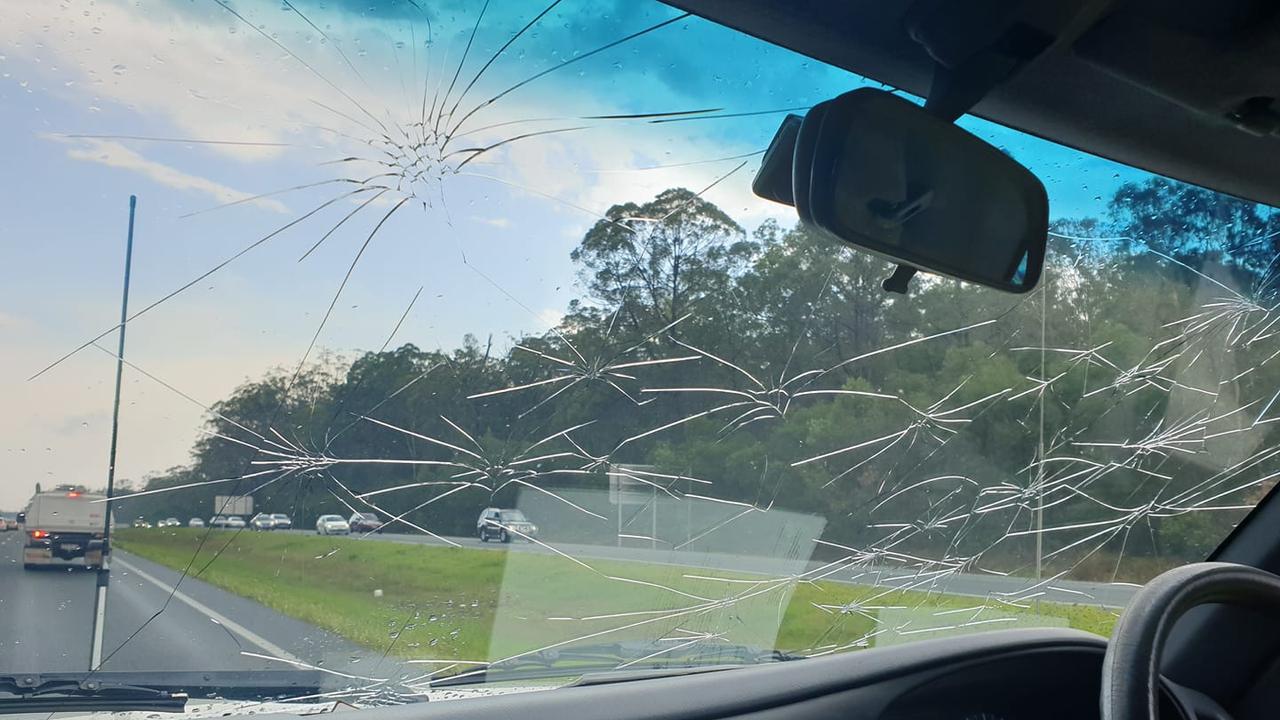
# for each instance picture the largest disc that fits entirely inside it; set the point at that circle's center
(66, 526)
(326, 524)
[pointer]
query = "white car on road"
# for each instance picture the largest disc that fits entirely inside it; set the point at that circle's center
(262, 521)
(332, 525)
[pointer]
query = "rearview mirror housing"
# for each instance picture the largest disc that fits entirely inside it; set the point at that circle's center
(888, 177)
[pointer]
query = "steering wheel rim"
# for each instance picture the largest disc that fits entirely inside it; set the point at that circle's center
(1131, 668)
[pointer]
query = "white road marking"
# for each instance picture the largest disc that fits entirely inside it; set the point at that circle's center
(266, 645)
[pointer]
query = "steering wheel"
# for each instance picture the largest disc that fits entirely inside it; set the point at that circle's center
(1131, 668)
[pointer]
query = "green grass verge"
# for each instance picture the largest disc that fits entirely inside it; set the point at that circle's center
(469, 604)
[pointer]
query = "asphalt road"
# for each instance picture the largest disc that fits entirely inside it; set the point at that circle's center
(991, 586)
(46, 622)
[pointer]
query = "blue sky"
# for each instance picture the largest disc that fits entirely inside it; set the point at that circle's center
(492, 259)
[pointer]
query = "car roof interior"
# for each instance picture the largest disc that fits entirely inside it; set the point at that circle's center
(1184, 89)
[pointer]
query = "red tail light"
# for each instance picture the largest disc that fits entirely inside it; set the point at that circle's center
(39, 534)
(73, 493)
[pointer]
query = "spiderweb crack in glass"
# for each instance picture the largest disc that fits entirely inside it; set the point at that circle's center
(729, 439)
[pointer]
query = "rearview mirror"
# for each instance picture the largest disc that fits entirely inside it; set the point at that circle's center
(884, 175)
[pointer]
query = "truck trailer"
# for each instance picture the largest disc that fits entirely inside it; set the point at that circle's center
(64, 527)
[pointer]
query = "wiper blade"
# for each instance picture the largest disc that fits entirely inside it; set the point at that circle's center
(618, 662)
(27, 693)
(609, 677)
(158, 691)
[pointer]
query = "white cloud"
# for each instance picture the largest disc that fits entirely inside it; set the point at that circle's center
(10, 322)
(606, 159)
(550, 317)
(498, 222)
(199, 72)
(113, 154)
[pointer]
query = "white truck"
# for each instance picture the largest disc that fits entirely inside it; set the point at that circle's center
(63, 526)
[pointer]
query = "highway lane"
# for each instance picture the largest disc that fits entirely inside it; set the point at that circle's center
(46, 621)
(968, 584)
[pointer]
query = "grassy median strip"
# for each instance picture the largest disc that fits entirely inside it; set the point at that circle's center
(431, 602)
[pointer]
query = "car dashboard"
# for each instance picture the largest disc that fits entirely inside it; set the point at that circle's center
(1001, 675)
(1044, 684)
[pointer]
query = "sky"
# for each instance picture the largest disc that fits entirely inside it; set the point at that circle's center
(232, 121)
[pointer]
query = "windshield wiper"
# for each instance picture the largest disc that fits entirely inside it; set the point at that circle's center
(156, 691)
(619, 662)
(28, 693)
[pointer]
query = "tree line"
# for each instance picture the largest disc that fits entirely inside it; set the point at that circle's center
(768, 368)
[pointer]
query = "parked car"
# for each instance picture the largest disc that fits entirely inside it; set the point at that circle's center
(365, 522)
(262, 521)
(282, 521)
(169, 522)
(195, 523)
(235, 522)
(4, 524)
(218, 521)
(332, 525)
(141, 523)
(503, 524)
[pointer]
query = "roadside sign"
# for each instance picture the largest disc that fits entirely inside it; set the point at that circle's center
(627, 484)
(232, 504)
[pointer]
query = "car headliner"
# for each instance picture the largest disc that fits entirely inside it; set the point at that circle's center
(1146, 82)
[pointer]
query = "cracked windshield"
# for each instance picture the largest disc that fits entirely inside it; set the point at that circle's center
(457, 356)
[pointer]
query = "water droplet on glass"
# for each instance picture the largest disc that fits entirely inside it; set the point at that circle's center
(119, 69)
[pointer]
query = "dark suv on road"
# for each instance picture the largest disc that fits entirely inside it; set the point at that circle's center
(365, 523)
(502, 525)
